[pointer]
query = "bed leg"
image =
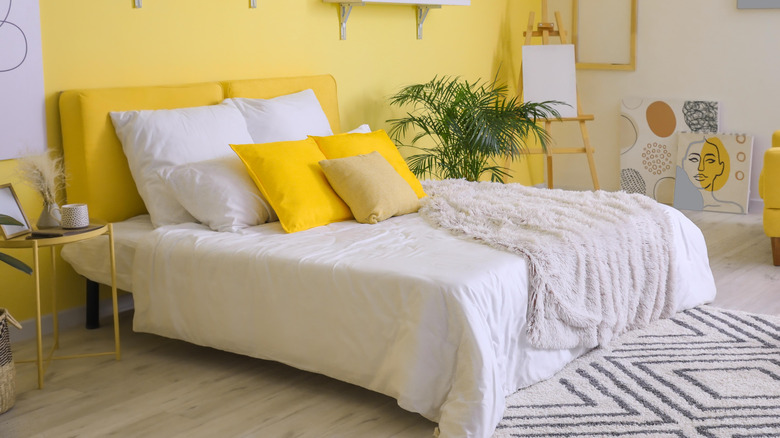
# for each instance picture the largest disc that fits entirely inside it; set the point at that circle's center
(93, 302)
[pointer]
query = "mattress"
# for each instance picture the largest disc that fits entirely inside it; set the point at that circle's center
(90, 258)
(400, 307)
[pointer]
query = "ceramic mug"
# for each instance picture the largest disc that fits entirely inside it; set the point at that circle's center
(74, 216)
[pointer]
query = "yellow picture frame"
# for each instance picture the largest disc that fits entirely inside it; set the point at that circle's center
(580, 39)
(603, 32)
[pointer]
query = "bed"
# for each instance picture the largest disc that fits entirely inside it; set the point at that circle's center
(400, 307)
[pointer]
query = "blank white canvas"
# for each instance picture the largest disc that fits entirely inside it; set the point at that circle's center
(22, 110)
(548, 74)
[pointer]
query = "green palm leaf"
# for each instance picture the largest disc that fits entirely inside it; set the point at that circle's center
(15, 263)
(470, 125)
(12, 261)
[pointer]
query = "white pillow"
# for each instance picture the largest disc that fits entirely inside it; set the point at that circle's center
(219, 193)
(154, 139)
(284, 118)
(362, 129)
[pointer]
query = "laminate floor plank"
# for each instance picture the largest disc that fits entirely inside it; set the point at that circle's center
(741, 261)
(168, 388)
(163, 424)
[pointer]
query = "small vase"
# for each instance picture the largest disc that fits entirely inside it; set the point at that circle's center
(50, 216)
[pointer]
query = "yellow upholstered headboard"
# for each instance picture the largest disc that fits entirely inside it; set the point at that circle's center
(96, 167)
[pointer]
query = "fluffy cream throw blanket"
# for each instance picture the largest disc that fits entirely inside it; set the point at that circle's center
(601, 263)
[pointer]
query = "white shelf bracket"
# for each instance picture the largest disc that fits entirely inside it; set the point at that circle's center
(138, 4)
(422, 14)
(344, 10)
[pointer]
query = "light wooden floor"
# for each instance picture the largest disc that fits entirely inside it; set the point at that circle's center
(166, 388)
(741, 261)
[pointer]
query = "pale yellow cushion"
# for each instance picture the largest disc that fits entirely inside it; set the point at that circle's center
(370, 186)
(349, 144)
(289, 176)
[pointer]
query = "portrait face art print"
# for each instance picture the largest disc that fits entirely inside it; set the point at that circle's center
(713, 172)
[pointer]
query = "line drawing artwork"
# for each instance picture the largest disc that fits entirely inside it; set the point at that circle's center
(711, 172)
(23, 109)
(8, 63)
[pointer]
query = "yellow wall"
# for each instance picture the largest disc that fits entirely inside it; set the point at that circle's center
(99, 43)
(17, 292)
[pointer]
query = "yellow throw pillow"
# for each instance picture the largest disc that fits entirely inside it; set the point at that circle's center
(371, 187)
(289, 177)
(351, 144)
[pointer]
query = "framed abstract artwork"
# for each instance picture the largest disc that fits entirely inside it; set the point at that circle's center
(23, 112)
(648, 141)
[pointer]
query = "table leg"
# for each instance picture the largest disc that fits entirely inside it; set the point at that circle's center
(55, 320)
(113, 290)
(39, 338)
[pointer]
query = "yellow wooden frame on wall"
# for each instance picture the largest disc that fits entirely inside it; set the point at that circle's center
(577, 38)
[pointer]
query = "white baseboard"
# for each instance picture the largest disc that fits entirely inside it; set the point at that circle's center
(68, 319)
(756, 205)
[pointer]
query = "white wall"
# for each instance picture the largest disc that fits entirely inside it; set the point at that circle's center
(692, 49)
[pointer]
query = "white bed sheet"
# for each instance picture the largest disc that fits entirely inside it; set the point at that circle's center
(400, 307)
(90, 258)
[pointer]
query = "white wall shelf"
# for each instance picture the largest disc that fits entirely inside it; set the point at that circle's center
(423, 7)
(139, 3)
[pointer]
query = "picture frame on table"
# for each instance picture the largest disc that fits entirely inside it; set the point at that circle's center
(10, 206)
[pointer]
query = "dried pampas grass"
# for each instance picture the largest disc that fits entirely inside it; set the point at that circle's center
(44, 173)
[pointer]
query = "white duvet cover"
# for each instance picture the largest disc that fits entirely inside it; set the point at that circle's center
(91, 257)
(400, 307)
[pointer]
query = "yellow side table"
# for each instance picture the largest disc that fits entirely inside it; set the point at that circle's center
(35, 244)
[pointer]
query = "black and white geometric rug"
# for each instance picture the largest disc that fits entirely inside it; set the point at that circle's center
(706, 372)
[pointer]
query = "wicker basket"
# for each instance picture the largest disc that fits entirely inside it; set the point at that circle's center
(7, 370)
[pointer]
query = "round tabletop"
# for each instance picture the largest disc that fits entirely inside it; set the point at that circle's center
(69, 236)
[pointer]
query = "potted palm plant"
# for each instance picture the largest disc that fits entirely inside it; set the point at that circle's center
(7, 370)
(472, 125)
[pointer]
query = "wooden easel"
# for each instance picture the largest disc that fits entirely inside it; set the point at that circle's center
(546, 29)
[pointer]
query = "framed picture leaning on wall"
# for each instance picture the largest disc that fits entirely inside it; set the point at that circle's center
(758, 4)
(10, 206)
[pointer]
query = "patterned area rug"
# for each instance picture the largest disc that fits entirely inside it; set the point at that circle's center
(706, 372)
